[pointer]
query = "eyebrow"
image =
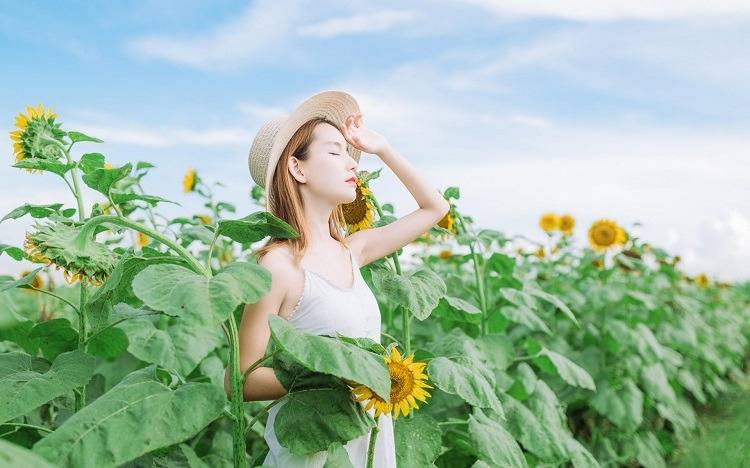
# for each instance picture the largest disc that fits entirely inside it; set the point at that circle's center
(338, 143)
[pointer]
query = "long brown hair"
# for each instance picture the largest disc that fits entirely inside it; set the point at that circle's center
(287, 200)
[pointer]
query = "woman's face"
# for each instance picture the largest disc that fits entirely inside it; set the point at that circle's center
(329, 166)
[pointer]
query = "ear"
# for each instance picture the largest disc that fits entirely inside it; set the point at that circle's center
(295, 168)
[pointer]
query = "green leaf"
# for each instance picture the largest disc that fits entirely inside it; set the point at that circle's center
(467, 378)
(110, 343)
(91, 161)
(623, 406)
(102, 179)
(310, 420)
(656, 384)
(49, 165)
(12, 251)
(183, 343)
(36, 211)
(23, 282)
(569, 371)
(337, 457)
(418, 441)
(535, 434)
(15, 456)
(418, 291)
(524, 384)
(122, 197)
(27, 382)
(77, 137)
(493, 442)
(525, 316)
(175, 290)
(54, 337)
(137, 416)
(255, 227)
(332, 356)
(554, 300)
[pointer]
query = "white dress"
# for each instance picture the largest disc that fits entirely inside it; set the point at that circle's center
(323, 309)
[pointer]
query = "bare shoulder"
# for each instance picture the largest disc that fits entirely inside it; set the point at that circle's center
(286, 281)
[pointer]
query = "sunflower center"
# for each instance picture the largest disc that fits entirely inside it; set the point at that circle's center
(604, 235)
(402, 381)
(355, 211)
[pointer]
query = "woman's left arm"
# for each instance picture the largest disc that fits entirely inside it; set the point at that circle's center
(378, 242)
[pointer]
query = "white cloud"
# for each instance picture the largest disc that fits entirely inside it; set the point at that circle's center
(607, 10)
(167, 137)
(259, 33)
(358, 24)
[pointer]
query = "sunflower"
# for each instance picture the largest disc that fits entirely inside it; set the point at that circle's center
(189, 181)
(448, 222)
(204, 219)
(107, 166)
(567, 223)
(604, 234)
(142, 239)
(445, 254)
(407, 386)
(622, 236)
(359, 214)
(549, 222)
(539, 252)
(33, 133)
(56, 243)
(701, 280)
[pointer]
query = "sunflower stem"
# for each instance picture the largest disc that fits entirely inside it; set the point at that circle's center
(477, 278)
(211, 249)
(371, 445)
(265, 410)
(80, 393)
(405, 314)
(238, 428)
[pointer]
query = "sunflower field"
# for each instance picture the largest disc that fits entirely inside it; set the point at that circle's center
(493, 354)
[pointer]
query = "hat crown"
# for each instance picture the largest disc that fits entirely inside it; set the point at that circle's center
(260, 150)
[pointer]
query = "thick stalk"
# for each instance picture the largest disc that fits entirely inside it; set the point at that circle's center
(371, 445)
(80, 393)
(238, 429)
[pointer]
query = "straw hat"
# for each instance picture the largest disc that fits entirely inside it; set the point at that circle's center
(275, 133)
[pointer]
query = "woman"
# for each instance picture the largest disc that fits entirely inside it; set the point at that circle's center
(307, 163)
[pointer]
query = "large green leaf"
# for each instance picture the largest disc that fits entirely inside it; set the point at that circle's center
(332, 356)
(177, 290)
(54, 337)
(569, 371)
(418, 441)
(101, 179)
(28, 382)
(554, 300)
(525, 316)
(538, 437)
(36, 211)
(418, 291)
(138, 415)
(311, 420)
(255, 227)
(493, 442)
(655, 383)
(467, 378)
(623, 406)
(181, 344)
(15, 456)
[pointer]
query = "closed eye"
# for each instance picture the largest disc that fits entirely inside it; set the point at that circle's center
(337, 154)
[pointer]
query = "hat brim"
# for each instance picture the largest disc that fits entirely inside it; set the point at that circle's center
(333, 105)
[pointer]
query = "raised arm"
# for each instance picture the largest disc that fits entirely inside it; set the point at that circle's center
(378, 242)
(254, 333)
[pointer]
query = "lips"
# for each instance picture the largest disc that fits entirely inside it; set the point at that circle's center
(351, 180)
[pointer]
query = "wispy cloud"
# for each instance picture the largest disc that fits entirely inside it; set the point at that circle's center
(166, 137)
(259, 33)
(358, 24)
(607, 10)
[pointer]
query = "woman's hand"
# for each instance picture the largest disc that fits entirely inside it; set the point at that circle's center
(361, 137)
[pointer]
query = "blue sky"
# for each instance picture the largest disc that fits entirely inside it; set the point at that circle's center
(631, 110)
